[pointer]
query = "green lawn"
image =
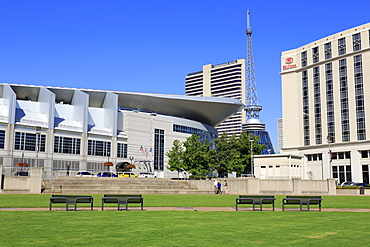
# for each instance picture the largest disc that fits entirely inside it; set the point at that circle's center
(183, 228)
(42, 200)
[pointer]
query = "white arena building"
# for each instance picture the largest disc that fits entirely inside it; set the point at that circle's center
(81, 129)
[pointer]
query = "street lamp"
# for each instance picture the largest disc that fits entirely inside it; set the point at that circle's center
(38, 135)
(251, 139)
(329, 138)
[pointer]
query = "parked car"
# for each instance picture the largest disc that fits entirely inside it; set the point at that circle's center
(21, 173)
(360, 184)
(147, 175)
(106, 174)
(347, 183)
(84, 174)
(127, 175)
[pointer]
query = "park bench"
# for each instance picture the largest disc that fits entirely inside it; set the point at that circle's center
(302, 201)
(120, 199)
(256, 200)
(71, 200)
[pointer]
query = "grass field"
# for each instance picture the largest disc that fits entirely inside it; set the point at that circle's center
(184, 228)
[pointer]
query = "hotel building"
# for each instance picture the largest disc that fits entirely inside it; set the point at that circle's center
(326, 109)
(81, 129)
(226, 80)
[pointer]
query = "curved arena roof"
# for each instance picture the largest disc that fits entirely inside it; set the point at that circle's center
(208, 110)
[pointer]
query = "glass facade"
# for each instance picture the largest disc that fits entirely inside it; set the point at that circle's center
(315, 54)
(121, 150)
(356, 40)
(29, 142)
(317, 105)
(327, 47)
(2, 139)
(159, 149)
(203, 134)
(330, 101)
(98, 148)
(344, 100)
(341, 46)
(305, 110)
(67, 145)
(304, 58)
(359, 98)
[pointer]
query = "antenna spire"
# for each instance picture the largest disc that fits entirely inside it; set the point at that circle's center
(252, 108)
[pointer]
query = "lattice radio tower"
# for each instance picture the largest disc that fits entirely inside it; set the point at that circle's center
(254, 124)
(252, 107)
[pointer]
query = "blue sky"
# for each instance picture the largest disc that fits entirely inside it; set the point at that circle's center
(151, 45)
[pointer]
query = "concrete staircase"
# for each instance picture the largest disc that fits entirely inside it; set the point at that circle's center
(85, 185)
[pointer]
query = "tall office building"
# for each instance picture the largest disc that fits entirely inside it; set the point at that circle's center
(221, 80)
(326, 104)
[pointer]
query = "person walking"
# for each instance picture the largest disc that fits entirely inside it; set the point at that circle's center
(226, 185)
(219, 188)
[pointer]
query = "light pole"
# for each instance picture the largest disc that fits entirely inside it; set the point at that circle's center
(329, 138)
(38, 129)
(251, 139)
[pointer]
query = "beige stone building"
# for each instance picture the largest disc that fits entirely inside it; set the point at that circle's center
(325, 108)
(226, 80)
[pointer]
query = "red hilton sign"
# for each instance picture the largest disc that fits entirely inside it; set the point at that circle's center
(289, 65)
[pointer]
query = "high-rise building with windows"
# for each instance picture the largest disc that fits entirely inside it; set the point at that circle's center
(222, 80)
(326, 105)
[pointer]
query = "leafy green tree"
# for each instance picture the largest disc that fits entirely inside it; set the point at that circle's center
(224, 153)
(244, 151)
(175, 157)
(196, 156)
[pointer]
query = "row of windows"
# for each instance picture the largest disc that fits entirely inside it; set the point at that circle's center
(65, 145)
(204, 135)
(343, 98)
(342, 49)
(334, 156)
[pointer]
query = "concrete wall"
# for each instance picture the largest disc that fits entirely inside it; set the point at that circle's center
(27, 184)
(272, 186)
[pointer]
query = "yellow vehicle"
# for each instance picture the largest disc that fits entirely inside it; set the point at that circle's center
(127, 175)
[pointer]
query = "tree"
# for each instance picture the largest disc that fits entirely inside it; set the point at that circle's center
(175, 157)
(224, 153)
(196, 156)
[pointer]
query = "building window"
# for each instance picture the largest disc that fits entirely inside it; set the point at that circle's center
(360, 99)
(306, 122)
(98, 148)
(341, 155)
(341, 46)
(342, 173)
(317, 105)
(2, 139)
(121, 150)
(327, 50)
(29, 142)
(315, 55)
(67, 145)
(365, 174)
(365, 154)
(356, 40)
(330, 101)
(203, 135)
(314, 157)
(304, 58)
(344, 100)
(65, 165)
(159, 149)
